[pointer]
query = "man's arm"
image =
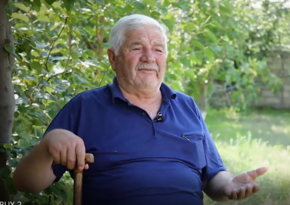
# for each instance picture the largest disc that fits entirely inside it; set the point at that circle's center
(214, 187)
(34, 172)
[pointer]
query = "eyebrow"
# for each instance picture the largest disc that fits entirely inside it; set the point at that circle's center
(138, 43)
(159, 45)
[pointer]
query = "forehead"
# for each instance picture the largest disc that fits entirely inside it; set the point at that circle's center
(150, 35)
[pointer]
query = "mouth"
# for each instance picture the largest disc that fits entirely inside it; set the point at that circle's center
(147, 70)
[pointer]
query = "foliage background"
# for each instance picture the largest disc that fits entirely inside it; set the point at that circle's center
(60, 50)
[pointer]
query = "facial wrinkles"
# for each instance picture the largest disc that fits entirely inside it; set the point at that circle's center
(153, 38)
(141, 40)
(155, 41)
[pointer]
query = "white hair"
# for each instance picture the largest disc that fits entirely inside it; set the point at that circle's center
(131, 22)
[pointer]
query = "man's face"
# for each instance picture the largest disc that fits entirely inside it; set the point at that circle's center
(141, 62)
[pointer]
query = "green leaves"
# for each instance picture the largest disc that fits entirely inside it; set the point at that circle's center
(43, 18)
(59, 88)
(36, 5)
(8, 48)
(101, 2)
(225, 7)
(169, 24)
(182, 5)
(9, 186)
(209, 54)
(5, 172)
(50, 1)
(197, 44)
(152, 3)
(22, 7)
(20, 16)
(210, 35)
(186, 62)
(139, 5)
(68, 4)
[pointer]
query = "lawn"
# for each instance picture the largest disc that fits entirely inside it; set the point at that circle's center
(250, 140)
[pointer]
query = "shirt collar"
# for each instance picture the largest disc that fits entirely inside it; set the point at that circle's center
(167, 92)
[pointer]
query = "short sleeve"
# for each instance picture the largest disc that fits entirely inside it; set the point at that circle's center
(214, 163)
(67, 118)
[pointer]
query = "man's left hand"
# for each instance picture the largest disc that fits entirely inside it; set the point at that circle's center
(243, 185)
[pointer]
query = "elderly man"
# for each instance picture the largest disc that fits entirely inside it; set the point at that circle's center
(150, 143)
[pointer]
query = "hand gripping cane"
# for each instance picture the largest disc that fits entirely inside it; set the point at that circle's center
(78, 180)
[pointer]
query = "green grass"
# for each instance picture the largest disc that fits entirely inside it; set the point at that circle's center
(250, 140)
(272, 126)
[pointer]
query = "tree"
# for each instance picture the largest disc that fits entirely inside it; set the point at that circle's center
(7, 102)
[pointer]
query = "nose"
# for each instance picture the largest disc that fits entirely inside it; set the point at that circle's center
(148, 56)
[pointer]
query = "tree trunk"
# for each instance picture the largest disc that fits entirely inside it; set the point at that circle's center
(7, 102)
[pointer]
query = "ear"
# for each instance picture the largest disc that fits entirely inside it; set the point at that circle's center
(112, 58)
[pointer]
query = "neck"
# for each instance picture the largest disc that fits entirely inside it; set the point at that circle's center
(145, 97)
(150, 101)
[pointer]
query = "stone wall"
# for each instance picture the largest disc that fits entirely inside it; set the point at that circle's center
(279, 63)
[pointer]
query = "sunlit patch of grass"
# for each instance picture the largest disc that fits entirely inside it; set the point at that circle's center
(280, 129)
(243, 146)
(268, 125)
(244, 153)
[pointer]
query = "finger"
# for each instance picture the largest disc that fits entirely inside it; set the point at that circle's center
(261, 171)
(55, 155)
(257, 172)
(71, 158)
(241, 193)
(256, 188)
(233, 195)
(80, 155)
(249, 190)
(86, 166)
(63, 157)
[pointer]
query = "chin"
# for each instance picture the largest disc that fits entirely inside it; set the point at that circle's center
(146, 85)
(147, 82)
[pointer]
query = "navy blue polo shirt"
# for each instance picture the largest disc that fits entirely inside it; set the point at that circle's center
(139, 160)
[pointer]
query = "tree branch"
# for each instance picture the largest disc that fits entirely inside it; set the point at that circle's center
(46, 63)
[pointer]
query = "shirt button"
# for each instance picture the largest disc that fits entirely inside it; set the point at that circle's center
(143, 113)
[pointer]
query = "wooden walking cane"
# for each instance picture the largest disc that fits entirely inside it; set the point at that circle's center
(78, 181)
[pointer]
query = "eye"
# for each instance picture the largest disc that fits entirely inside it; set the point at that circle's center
(158, 50)
(136, 49)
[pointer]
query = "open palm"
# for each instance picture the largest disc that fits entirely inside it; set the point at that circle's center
(243, 185)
